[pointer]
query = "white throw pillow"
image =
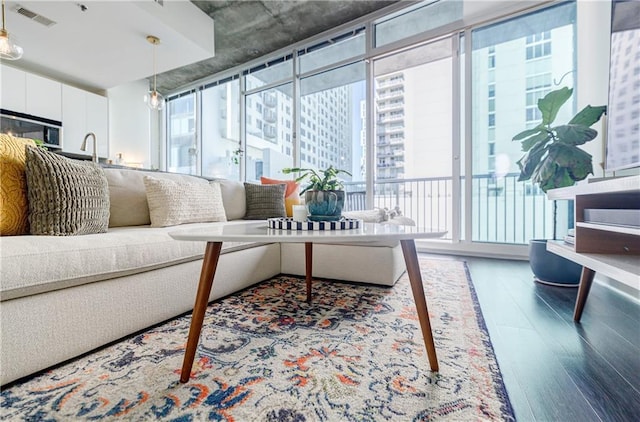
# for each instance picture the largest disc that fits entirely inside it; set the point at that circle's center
(173, 202)
(234, 198)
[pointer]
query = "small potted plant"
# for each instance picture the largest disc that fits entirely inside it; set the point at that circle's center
(324, 195)
(552, 160)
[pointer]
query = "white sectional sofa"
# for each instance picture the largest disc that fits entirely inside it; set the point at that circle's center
(62, 296)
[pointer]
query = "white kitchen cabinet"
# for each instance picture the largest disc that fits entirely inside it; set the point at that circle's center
(74, 119)
(14, 89)
(27, 93)
(43, 97)
(98, 121)
(84, 112)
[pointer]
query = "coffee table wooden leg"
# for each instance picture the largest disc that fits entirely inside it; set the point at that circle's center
(415, 278)
(211, 255)
(308, 259)
(586, 280)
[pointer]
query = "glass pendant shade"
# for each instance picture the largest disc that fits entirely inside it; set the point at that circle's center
(154, 100)
(9, 50)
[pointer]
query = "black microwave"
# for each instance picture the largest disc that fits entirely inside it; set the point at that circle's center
(27, 126)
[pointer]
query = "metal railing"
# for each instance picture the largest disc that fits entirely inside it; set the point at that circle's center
(503, 210)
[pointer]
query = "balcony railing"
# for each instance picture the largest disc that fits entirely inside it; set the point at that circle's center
(390, 95)
(390, 106)
(503, 210)
(390, 82)
(391, 118)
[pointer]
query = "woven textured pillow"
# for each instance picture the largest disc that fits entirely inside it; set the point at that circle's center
(14, 206)
(66, 197)
(291, 195)
(173, 202)
(264, 201)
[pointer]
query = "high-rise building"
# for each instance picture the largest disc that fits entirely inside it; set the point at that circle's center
(390, 126)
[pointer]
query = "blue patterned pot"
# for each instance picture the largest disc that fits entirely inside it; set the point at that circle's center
(324, 205)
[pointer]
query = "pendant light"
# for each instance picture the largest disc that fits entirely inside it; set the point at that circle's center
(154, 99)
(9, 50)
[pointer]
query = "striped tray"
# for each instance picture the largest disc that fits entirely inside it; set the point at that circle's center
(287, 223)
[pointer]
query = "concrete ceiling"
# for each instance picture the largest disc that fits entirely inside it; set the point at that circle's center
(98, 44)
(245, 30)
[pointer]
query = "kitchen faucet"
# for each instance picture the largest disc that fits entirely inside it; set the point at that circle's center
(83, 147)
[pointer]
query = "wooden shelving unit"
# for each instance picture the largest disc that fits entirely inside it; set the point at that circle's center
(613, 251)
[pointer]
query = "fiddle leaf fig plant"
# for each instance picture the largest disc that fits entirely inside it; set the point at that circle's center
(552, 158)
(321, 180)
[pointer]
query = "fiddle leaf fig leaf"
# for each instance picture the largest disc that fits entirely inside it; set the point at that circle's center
(526, 133)
(552, 102)
(560, 179)
(544, 172)
(588, 116)
(530, 161)
(532, 141)
(577, 161)
(574, 134)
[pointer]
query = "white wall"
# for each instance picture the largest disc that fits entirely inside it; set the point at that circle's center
(129, 124)
(594, 21)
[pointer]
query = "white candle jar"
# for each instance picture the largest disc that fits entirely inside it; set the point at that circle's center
(300, 213)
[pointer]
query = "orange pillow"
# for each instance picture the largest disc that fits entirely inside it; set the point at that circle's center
(291, 194)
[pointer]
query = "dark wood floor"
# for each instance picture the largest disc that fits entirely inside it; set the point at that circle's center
(555, 370)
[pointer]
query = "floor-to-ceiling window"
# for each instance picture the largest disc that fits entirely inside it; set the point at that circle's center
(268, 118)
(332, 100)
(220, 122)
(181, 134)
(419, 106)
(330, 120)
(414, 133)
(513, 64)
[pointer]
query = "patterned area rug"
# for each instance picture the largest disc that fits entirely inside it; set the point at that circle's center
(356, 353)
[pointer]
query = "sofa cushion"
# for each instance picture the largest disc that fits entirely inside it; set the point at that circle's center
(291, 195)
(264, 201)
(64, 262)
(14, 206)
(66, 197)
(128, 196)
(233, 197)
(173, 202)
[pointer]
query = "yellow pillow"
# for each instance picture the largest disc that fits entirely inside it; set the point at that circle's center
(291, 195)
(14, 206)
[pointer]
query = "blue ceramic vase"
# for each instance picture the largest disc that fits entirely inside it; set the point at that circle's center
(324, 205)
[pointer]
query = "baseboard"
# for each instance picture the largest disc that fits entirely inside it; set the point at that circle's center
(622, 288)
(480, 250)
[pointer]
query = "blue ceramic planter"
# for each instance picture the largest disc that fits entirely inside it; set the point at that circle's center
(552, 269)
(324, 205)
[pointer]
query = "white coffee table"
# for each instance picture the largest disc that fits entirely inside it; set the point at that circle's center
(260, 232)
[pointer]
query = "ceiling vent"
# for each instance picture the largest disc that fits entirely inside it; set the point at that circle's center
(34, 16)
